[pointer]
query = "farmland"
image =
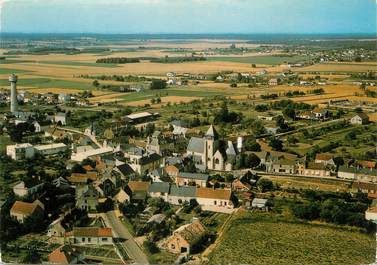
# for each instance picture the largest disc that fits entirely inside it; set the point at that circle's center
(257, 238)
(265, 60)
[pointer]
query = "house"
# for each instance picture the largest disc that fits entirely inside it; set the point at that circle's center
(50, 149)
(56, 231)
(215, 198)
(21, 210)
(320, 113)
(141, 117)
(60, 118)
(157, 218)
(273, 82)
(157, 174)
(21, 189)
(197, 179)
(146, 163)
(178, 195)
(90, 236)
(285, 166)
(219, 78)
(358, 174)
(66, 254)
(153, 143)
(20, 151)
(80, 156)
(316, 170)
(211, 153)
(60, 183)
(63, 98)
(259, 203)
(240, 185)
(139, 190)
(180, 127)
(82, 178)
(370, 188)
(360, 119)
(122, 197)
(185, 238)
(87, 197)
(159, 190)
(366, 164)
(125, 171)
(171, 171)
(325, 158)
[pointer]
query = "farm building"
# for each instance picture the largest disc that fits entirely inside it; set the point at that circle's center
(185, 238)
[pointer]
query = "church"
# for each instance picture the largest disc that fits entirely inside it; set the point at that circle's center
(211, 153)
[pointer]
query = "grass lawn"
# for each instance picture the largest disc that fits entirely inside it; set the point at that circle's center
(268, 59)
(48, 83)
(263, 238)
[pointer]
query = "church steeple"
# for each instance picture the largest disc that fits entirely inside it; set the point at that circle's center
(211, 133)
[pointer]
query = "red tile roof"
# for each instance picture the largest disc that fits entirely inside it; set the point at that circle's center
(25, 208)
(82, 178)
(324, 156)
(211, 193)
(91, 232)
(138, 185)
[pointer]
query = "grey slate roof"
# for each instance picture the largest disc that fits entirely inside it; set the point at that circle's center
(125, 169)
(196, 145)
(230, 151)
(149, 159)
(366, 171)
(159, 187)
(212, 132)
(184, 191)
(193, 176)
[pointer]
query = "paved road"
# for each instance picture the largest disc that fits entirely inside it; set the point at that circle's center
(130, 246)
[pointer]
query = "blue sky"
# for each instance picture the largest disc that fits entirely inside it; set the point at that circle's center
(188, 16)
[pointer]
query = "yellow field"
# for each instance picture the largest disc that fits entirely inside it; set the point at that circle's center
(164, 100)
(340, 67)
(63, 90)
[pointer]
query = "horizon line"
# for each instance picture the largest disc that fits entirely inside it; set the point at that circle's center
(200, 33)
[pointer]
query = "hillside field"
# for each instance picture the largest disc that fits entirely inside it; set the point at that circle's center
(263, 239)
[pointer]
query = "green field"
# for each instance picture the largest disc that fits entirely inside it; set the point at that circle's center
(269, 59)
(13, 71)
(262, 238)
(48, 83)
(73, 63)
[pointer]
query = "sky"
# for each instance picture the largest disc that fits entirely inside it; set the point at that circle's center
(188, 16)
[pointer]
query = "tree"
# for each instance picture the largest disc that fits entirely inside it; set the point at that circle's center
(251, 160)
(276, 144)
(264, 185)
(96, 83)
(252, 145)
(158, 84)
(151, 247)
(289, 112)
(292, 140)
(32, 257)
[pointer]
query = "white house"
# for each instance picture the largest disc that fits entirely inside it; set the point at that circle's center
(90, 236)
(50, 149)
(60, 117)
(20, 151)
(21, 190)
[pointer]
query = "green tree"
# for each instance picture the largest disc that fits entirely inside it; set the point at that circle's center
(276, 144)
(264, 185)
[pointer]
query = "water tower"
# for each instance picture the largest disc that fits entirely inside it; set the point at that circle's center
(13, 93)
(371, 215)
